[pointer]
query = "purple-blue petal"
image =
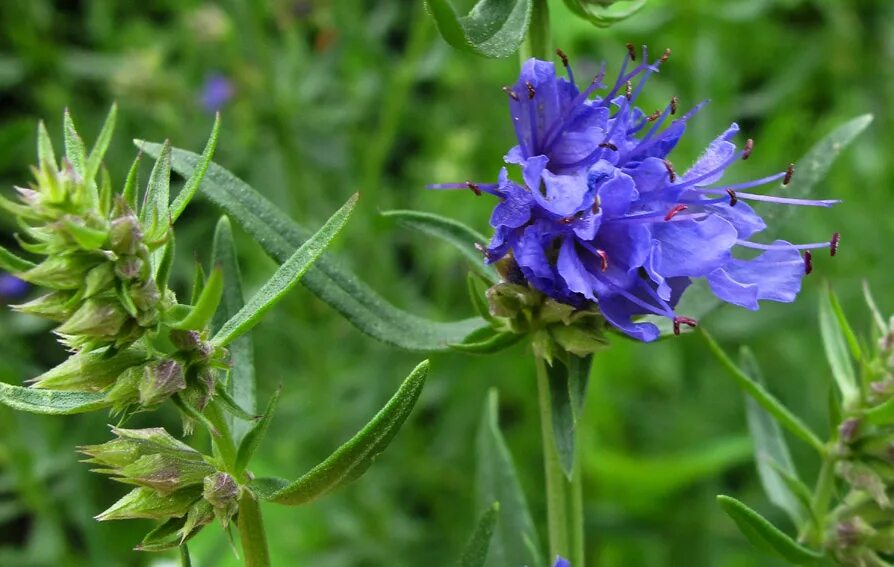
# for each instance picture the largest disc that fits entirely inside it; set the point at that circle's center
(775, 275)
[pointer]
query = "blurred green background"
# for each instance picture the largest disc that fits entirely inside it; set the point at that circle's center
(324, 98)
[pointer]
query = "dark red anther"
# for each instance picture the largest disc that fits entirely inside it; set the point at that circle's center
(474, 187)
(833, 244)
(676, 209)
(746, 152)
(674, 102)
(654, 116)
(531, 91)
(628, 90)
(603, 259)
(562, 56)
(789, 171)
(689, 322)
(733, 199)
(666, 56)
(631, 52)
(808, 262)
(481, 248)
(672, 175)
(609, 145)
(510, 92)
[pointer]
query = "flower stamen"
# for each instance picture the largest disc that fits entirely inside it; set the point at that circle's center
(789, 171)
(833, 244)
(733, 199)
(531, 91)
(746, 152)
(676, 209)
(680, 320)
(474, 187)
(674, 102)
(512, 94)
(808, 262)
(631, 51)
(672, 175)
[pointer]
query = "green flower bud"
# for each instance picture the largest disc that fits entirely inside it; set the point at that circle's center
(125, 234)
(578, 340)
(862, 477)
(99, 279)
(133, 444)
(129, 268)
(125, 391)
(146, 296)
(199, 515)
(90, 371)
(54, 306)
(147, 503)
(223, 493)
(161, 380)
(95, 318)
(164, 472)
(61, 271)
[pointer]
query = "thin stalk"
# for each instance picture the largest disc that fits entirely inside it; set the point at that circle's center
(822, 497)
(251, 532)
(224, 440)
(537, 43)
(561, 504)
(576, 497)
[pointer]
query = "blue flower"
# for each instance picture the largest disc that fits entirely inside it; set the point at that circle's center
(11, 287)
(602, 216)
(216, 92)
(561, 562)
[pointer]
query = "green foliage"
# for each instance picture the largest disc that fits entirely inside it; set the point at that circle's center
(835, 347)
(353, 458)
(496, 480)
(492, 28)
(765, 535)
(475, 553)
(50, 402)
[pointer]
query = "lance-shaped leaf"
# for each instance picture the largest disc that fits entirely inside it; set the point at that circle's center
(774, 462)
(94, 160)
(158, 191)
(516, 541)
(201, 313)
(285, 277)
(240, 384)
(279, 236)
(255, 435)
(75, 151)
(835, 345)
(568, 379)
(492, 343)
(9, 262)
(475, 553)
(492, 28)
(605, 15)
(765, 535)
(812, 168)
(453, 232)
(50, 402)
(352, 459)
(765, 399)
(192, 184)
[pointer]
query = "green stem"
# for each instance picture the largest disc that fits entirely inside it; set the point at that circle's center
(564, 502)
(223, 441)
(537, 43)
(822, 497)
(251, 532)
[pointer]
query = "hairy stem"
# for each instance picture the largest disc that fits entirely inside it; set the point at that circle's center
(251, 532)
(537, 43)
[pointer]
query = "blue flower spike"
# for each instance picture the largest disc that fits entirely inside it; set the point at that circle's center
(561, 562)
(603, 216)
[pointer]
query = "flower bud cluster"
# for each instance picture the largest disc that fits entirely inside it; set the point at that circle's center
(97, 255)
(863, 524)
(173, 482)
(555, 327)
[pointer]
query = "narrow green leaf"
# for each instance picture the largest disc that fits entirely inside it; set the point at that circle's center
(562, 415)
(9, 262)
(478, 297)
(129, 194)
(853, 344)
(255, 435)
(475, 552)
(192, 184)
(873, 309)
(198, 283)
(516, 541)
(765, 399)
(835, 346)
(453, 232)
(881, 414)
(158, 190)
(352, 459)
(229, 404)
(46, 157)
(774, 462)
(492, 28)
(605, 16)
(50, 402)
(163, 269)
(285, 277)
(280, 236)
(75, 151)
(201, 313)
(812, 168)
(495, 343)
(765, 535)
(241, 377)
(94, 160)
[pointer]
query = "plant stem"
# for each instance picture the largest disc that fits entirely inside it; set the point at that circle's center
(564, 502)
(822, 496)
(224, 441)
(538, 40)
(251, 532)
